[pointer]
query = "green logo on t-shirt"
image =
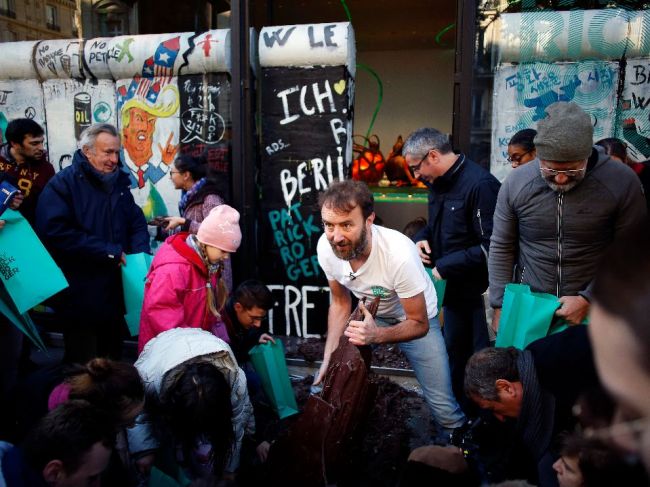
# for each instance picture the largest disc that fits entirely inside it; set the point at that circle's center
(380, 291)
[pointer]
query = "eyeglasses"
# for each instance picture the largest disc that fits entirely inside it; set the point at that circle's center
(171, 173)
(419, 164)
(517, 157)
(571, 173)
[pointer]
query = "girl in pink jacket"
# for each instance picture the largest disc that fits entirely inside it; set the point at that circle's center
(184, 287)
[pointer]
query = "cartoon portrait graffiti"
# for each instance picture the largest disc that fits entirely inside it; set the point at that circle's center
(150, 96)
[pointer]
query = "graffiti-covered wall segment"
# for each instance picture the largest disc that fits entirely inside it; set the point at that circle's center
(307, 95)
(167, 94)
(597, 58)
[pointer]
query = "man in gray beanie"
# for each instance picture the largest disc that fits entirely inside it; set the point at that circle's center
(556, 215)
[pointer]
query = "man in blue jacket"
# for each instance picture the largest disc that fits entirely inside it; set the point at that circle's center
(456, 240)
(87, 218)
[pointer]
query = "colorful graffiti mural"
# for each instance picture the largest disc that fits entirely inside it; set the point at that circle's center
(134, 83)
(597, 58)
(307, 96)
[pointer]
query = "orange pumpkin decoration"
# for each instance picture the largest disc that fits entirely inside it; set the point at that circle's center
(368, 166)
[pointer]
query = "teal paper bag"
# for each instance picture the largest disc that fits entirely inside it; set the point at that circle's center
(525, 317)
(26, 269)
(158, 478)
(439, 284)
(270, 365)
(21, 321)
(134, 274)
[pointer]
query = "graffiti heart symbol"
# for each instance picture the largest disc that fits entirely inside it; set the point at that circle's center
(340, 87)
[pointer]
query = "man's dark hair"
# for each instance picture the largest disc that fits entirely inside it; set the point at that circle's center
(19, 128)
(345, 196)
(601, 465)
(614, 147)
(622, 287)
(524, 139)
(414, 226)
(67, 434)
(253, 293)
(485, 367)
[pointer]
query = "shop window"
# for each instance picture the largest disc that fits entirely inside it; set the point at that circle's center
(8, 8)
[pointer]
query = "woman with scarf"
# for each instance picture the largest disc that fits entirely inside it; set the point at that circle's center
(184, 286)
(199, 195)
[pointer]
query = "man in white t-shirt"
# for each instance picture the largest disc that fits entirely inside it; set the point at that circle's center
(372, 261)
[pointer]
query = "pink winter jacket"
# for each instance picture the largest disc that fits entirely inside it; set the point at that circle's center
(175, 292)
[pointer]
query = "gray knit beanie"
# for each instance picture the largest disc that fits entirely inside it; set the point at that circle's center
(565, 134)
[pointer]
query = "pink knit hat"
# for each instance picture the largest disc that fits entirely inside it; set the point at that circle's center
(220, 229)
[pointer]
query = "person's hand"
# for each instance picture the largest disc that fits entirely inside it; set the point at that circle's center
(321, 372)
(265, 338)
(168, 153)
(436, 274)
(173, 222)
(122, 259)
(144, 464)
(2, 224)
(263, 451)
(496, 318)
(16, 201)
(362, 332)
(424, 251)
(574, 309)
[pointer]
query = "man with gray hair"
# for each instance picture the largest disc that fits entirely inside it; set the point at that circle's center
(455, 241)
(556, 215)
(87, 218)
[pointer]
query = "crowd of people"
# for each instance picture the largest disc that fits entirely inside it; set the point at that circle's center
(570, 409)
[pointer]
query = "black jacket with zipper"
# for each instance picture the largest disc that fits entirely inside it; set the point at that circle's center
(461, 205)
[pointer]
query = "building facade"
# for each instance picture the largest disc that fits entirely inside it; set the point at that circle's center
(23, 20)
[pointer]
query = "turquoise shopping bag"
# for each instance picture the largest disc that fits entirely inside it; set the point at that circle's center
(269, 363)
(134, 274)
(21, 321)
(26, 268)
(439, 284)
(525, 317)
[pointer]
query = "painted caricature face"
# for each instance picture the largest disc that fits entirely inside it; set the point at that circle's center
(347, 232)
(138, 136)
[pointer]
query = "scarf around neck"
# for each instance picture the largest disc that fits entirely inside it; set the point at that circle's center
(187, 195)
(535, 422)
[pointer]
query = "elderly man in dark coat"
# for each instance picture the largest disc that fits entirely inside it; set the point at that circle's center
(89, 221)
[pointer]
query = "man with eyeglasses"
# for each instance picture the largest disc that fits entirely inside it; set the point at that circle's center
(455, 241)
(555, 216)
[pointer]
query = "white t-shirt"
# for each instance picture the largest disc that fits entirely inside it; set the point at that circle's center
(393, 271)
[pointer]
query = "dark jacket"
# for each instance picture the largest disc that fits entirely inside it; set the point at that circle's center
(554, 241)
(30, 178)
(461, 205)
(86, 226)
(565, 370)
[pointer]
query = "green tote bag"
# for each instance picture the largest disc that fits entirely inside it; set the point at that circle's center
(525, 317)
(270, 365)
(134, 274)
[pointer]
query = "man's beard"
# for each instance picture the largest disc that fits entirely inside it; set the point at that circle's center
(564, 188)
(354, 250)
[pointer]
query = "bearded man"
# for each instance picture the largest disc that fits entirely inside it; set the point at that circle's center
(369, 261)
(556, 216)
